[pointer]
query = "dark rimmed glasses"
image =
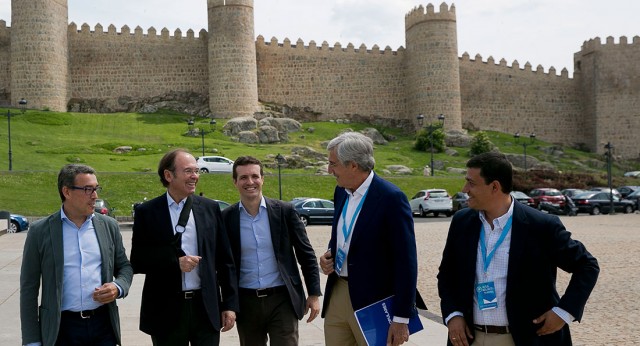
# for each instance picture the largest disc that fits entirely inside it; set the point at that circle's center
(88, 190)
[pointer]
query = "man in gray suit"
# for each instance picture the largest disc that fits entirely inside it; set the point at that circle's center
(79, 257)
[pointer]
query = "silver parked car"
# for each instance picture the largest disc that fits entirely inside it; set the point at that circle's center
(431, 201)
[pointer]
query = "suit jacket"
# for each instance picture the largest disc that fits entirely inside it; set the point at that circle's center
(539, 245)
(43, 258)
(382, 259)
(288, 234)
(153, 254)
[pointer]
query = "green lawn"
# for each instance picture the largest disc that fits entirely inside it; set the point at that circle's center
(43, 141)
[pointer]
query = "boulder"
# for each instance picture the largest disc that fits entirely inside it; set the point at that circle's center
(375, 135)
(234, 126)
(248, 137)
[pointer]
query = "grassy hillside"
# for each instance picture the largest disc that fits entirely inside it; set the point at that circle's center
(43, 141)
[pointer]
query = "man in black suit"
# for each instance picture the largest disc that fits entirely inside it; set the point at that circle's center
(267, 236)
(372, 251)
(497, 278)
(190, 288)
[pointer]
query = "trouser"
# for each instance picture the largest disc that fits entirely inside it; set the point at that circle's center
(340, 325)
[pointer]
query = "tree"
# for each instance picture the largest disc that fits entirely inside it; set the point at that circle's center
(480, 143)
(423, 140)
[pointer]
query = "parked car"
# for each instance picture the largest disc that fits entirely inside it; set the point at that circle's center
(606, 189)
(596, 202)
(635, 197)
(208, 164)
(102, 207)
(627, 190)
(314, 210)
(223, 205)
(460, 200)
(550, 195)
(634, 174)
(434, 201)
(572, 192)
(522, 198)
(17, 223)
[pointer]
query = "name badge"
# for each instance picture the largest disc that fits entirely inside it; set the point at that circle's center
(340, 255)
(486, 295)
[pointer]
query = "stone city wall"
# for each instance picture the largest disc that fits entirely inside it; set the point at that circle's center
(514, 99)
(5, 63)
(112, 64)
(334, 81)
(609, 77)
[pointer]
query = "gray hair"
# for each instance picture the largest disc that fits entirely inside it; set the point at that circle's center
(67, 176)
(354, 147)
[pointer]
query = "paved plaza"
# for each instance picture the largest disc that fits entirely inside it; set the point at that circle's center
(610, 316)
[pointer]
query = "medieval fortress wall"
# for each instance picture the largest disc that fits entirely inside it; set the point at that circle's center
(49, 62)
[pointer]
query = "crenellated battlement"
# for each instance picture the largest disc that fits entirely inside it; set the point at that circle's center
(515, 66)
(421, 14)
(337, 47)
(596, 43)
(5, 32)
(138, 32)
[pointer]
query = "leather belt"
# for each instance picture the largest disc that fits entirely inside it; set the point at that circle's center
(189, 294)
(264, 292)
(493, 329)
(83, 314)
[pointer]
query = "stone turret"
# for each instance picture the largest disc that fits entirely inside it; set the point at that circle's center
(233, 77)
(433, 78)
(39, 53)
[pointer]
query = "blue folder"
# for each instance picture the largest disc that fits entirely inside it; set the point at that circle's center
(374, 321)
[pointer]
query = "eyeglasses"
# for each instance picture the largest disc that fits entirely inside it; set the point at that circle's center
(88, 190)
(190, 171)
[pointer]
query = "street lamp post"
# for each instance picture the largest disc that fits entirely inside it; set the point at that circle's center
(9, 136)
(532, 139)
(609, 146)
(191, 128)
(280, 161)
(431, 128)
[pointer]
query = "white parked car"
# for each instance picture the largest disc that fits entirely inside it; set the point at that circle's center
(434, 201)
(208, 164)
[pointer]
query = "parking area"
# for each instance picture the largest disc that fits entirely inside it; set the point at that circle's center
(610, 317)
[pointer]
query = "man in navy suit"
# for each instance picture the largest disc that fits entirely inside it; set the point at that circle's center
(497, 278)
(190, 290)
(372, 251)
(268, 240)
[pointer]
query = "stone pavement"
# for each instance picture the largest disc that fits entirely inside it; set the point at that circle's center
(311, 334)
(610, 318)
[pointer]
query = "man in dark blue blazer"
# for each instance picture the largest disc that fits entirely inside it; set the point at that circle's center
(268, 241)
(497, 278)
(190, 290)
(372, 251)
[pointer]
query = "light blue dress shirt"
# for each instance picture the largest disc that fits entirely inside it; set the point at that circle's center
(258, 264)
(82, 265)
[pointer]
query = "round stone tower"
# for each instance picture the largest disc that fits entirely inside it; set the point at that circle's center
(233, 76)
(39, 53)
(433, 78)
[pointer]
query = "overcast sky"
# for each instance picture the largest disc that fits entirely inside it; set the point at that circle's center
(542, 32)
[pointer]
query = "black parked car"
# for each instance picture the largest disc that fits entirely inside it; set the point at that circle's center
(460, 201)
(635, 197)
(594, 203)
(314, 210)
(522, 198)
(627, 190)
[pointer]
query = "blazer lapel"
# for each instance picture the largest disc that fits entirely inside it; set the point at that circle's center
(55, 226)
(101, 234)
(368, 210)
(518, 240)
(275, 222)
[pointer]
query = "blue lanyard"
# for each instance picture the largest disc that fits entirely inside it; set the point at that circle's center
(483, 247)
(346, 232)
